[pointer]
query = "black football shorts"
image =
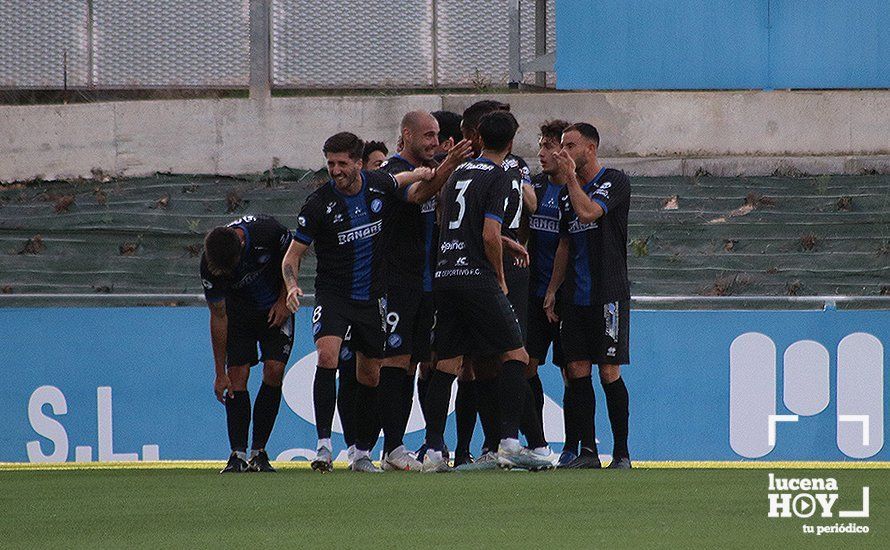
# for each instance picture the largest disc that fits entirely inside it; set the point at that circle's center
(409, 323)
(361, 320)
(599, 334)
(474, 321)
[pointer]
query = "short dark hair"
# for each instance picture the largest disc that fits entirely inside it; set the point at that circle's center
(474, 113)
(371, 146)
(344, 142)
(497, 130)
(553, 129)
(586, 130)
(222, 248)
(449, 125)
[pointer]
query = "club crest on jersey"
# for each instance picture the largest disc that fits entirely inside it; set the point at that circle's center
(376, 205)
(394, 340)
(316, 328)
(345, 353)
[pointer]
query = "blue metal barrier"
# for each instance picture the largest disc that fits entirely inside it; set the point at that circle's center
(731, 44)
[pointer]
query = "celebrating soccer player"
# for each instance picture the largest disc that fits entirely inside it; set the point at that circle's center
(592, 259)
(473, 313)
(246, 296)
(410, 237)
(344, 219)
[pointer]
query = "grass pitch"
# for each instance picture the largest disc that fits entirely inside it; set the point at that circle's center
(190, 505)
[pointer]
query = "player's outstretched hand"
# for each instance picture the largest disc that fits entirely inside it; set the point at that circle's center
(550, 307)
(519, 252)
(221, 387)
(279, 313)
(293, 299)
(459, 153)
(424, 173)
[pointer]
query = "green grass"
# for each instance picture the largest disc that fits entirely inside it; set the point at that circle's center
(195, 507)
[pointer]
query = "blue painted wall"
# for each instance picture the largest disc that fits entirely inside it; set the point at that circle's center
(151, 371)
(725, 44)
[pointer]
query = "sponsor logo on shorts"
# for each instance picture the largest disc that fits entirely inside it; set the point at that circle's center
(359, 233)
(316, 328)
(376, 205)
(345, 353)
(394, 340)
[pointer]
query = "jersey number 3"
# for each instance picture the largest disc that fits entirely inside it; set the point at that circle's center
(461, 187)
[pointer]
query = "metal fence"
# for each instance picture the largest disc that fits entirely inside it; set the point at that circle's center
(109, 44)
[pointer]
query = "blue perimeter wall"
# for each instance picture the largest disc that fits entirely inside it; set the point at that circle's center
(158, 365)
(725, 44)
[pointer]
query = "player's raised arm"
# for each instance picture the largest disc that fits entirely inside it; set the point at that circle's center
(586, 208)
(427, 187)
(290, 269)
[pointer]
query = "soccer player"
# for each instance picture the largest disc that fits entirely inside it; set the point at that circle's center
(479, 375)
(449, 132)
(246, 296)
(542, 243)
(373, 155)
(592, 260)
(410, 256)
(473, 313)
(344, 220)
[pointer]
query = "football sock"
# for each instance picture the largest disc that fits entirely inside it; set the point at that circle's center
(512, 392)
(617, 403)
(423, 386)
(238, 419)
(324, 398)
(487, 401)
(346, 400)
(391, 402)
(407, 400)
(367, 423)
(437, 398)
(265, 410)
(530, 423)
(538, 394)
(568, 418)
(465, 412)
(584, 409)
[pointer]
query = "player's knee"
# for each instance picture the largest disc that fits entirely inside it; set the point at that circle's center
(328, 358)
(273, 373)
(609, 373)
(577, 370)
(238, 377)
(451, 366)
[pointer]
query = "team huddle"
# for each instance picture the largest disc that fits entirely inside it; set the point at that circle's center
(446, 261)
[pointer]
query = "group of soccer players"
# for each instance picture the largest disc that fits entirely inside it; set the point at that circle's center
(448, 260)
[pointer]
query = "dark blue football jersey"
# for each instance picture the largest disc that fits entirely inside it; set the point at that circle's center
(519, 174)
(543, 238)
(257, 281)
(477, 189)
(410, 234)
(597, 269)
(347, 232)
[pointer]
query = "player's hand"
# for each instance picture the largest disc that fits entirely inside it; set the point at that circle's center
(519, 252)
(423, 173)
(503, 285)
(221, 386)
(279, 313)
(293, 299)
(565, 164)
(458, 153)
(550, 307)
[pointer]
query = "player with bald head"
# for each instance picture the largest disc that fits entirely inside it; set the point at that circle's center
(409, 233)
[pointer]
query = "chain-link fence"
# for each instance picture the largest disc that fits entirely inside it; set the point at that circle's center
(119, 44)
